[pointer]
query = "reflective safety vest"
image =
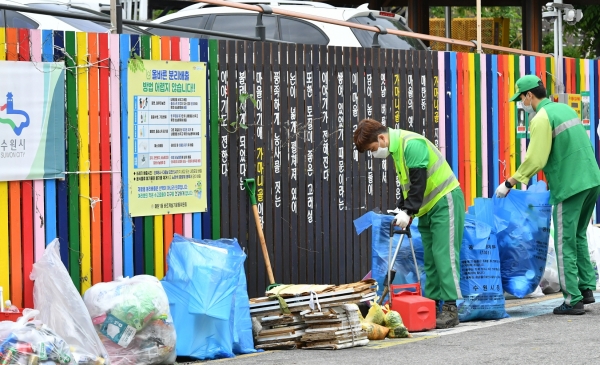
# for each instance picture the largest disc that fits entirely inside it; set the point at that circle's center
(440, 177)
(571, 166)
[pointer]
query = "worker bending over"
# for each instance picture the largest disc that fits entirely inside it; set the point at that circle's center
(561, 147)
(431, 192)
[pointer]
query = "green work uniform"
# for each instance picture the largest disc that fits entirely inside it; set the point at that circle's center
(442, 212)
(561, 147)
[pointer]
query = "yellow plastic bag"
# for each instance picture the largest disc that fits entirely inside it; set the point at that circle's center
(374, 331)
(375, 315)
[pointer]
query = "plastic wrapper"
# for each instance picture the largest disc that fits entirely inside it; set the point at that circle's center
(522, 223)
(380, 243)
(374, 331)
(375, 315)
(393, 321)
(133, 319)
(28, 341)
(480, 281)
(206, 287)
(61, 308)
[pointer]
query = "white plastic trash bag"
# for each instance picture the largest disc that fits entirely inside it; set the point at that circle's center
(61, 307)
(133, 320)
(593, 238)
(550, 283)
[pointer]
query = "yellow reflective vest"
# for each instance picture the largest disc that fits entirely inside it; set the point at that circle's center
(440, 177)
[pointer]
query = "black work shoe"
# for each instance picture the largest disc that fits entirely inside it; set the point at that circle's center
(448, 317)
(588, 296)
(576, 309)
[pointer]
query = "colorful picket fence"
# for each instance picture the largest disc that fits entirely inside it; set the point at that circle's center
(298, 145)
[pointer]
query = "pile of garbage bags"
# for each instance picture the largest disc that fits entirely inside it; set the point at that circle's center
(62, 311)
(208, 297)
(133, 320)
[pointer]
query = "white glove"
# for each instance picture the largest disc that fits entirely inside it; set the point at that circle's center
(502, 190)
(402, 219)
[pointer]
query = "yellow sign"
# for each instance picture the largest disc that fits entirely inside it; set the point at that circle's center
(167, 138)
(574, 102)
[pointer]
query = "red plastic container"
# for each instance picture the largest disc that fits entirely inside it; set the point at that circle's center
(417, 312)
(11, 316)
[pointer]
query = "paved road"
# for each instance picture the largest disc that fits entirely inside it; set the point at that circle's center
(530, 336)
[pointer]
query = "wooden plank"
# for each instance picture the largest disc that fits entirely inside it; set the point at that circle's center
(256, 87)
(128, 224)
(275, 208)
(83, 129)
(138, 222)
(61, 184)
(5, 241)
(328, 249)
(248, 167)
(165, 55)
(333, 163)
(50, 212)
(177, 218)
(292, 147)
(215, 188)
(348, 207)
(301, 170)
(27, 227)
(357, 188)
(224, 136)
(373, 111)
(94, 146)
(14, 200)
(39, 233)
(159, 242)
(73, 162)
(105, 157)
(115, 142)
(318, 164)
(309, 162)
(365, 186)
(184, 55)
(388, 84)
(478, 126)
(149, 238)
(285, 240)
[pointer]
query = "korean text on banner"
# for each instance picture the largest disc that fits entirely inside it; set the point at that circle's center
(167, 138)
(32, 120)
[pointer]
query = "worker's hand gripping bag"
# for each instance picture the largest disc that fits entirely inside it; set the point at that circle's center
(133, 320)
(206, 287)
(522, 222)
(61, 306)
(380, 243)
(480, 281)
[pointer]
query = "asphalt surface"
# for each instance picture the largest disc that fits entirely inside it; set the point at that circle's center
(532, 335)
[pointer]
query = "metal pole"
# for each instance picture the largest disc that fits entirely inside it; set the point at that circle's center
(559, 58)
(448, 24)
(113, 16)
(479, 26)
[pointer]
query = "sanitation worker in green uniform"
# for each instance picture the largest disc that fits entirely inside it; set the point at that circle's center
(431, 192)
(561, 147)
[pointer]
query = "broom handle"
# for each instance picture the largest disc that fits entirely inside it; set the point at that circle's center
(263, 245)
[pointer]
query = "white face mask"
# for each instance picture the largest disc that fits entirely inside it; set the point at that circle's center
(382, 152)
(528, 108)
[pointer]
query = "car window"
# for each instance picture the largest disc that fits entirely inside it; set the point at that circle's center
(16, 20)
(84, 25)
(385, 40)
(197, 22)
(297, 31)
(245, 25)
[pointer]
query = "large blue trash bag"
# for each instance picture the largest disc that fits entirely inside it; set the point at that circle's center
(206, 287)
(380, 243)
(522, 222)
(480, 281)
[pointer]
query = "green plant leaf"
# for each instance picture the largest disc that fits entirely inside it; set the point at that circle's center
(243, 126)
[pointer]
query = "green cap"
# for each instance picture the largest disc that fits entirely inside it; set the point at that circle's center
(524, 84)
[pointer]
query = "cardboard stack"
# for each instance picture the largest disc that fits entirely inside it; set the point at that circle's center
(311, 316)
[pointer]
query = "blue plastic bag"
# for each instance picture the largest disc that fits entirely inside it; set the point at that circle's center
(480, 281)
(206, 287)
(380, 243)
(522, 222)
